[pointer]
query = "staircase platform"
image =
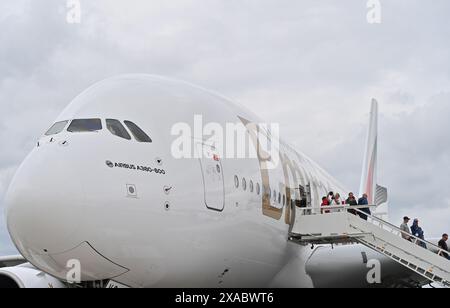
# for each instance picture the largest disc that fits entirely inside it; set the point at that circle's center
(333, 239)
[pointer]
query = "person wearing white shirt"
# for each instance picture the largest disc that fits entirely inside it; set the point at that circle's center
(405, 228)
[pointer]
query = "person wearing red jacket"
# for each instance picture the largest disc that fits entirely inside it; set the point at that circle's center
(325, 202)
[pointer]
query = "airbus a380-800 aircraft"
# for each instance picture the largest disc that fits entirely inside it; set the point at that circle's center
(102, 189)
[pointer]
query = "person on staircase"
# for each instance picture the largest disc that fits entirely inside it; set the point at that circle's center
(405, 228)
(417, 231)
(337, 202)
(351, 201)
(443, 246)
(330, 197)
(325, 203)
(364, 201)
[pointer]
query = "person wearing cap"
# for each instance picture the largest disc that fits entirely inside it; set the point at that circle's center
(405, 228)
(417, 231)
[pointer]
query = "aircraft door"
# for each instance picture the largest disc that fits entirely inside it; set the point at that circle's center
(305, 198)
(213, 182)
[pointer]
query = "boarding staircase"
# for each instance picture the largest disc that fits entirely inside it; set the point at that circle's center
(336, 225)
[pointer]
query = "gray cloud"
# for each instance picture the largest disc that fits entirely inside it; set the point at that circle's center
(311, 65)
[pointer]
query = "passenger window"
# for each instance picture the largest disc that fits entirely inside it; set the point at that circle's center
(116, 128)
(56, 128)
(85, 125)
(258, 189)
(244, 184)
(251, 186)
(236, 181)
(138, 133)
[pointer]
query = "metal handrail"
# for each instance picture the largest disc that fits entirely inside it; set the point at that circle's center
(417, 239)
(335, 207)
(358, 208)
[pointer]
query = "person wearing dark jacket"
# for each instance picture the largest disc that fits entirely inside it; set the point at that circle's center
(351, 201)
(443, 246)
(364, 201)
(417, 231)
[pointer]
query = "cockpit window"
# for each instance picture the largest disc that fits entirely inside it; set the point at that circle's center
(117, 129)
(138, 133)
(85, 125)
(56, 128)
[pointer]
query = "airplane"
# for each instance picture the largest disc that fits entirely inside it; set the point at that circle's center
(103, 190)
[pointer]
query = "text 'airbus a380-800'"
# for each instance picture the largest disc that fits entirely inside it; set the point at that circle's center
(103, 201)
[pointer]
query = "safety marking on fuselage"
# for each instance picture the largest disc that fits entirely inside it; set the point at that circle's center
(131, 190)
(167, 189)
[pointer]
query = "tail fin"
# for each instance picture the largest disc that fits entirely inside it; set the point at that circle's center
(369, 174)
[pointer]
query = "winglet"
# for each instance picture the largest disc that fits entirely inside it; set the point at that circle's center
(369, 173)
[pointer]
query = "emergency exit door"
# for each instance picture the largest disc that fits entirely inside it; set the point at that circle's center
(213, 183)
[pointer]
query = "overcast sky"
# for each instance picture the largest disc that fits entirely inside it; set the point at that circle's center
(313, 66)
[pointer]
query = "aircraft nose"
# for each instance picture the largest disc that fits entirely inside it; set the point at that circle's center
(41, 202)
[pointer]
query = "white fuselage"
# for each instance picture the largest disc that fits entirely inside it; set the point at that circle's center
(71, 197)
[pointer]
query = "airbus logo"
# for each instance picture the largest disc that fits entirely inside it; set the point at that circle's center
(110, 164)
